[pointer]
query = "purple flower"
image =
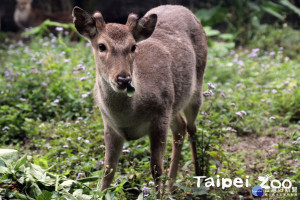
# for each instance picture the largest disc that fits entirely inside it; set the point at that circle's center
(151, 183)
(67, 60)
(22, 99)
(5, 128)
(240, 85)
(232, 104)
(59, 29)
(211, 86)
(62, 54)
(53, 40)
(56, 101)
(81, 67)
(274, 91)
(45, 44)
(204, 113)
(83, 78)
(87, 141)
(272, 118)
(272, 53)
(231, 129)
(84, 95)
(145, 189)
(79, 175)
(100, 162)
(241, 113)
(79, 138)
(126, 150)
(208, 93)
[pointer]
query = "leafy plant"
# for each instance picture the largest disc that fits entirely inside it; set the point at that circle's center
(245, 18)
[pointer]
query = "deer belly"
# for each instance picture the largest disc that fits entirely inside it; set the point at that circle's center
(135, 132)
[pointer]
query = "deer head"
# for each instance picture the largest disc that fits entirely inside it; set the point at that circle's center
(24, 4)
(114, 45)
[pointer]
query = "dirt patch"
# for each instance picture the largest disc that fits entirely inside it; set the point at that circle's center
(256, 148)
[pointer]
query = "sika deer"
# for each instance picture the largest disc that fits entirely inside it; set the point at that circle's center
(163, 55)
(25, 16)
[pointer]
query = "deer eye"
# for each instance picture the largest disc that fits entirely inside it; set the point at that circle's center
(102, 47)
(133, 48)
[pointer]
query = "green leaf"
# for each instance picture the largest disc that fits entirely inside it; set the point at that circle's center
(56, 183)
(46, 195)
(107, 196)
(207, 14)
(36, 171)
(141, 196)
(89, 179)
(210, 32)
(3, 170)
(291, 6)
(226, 36)
(272, 12)
(35, 189)
(130, 90)
(20, 162)
(8, 156)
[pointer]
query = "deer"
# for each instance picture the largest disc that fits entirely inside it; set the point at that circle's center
(26, 16)
(148, 72)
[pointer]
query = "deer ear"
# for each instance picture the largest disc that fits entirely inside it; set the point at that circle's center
(87, 25)
(143, 28)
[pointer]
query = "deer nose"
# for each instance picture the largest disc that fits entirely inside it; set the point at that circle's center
(123, 81)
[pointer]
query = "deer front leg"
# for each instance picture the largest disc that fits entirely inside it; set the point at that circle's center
(158, 140)
(113, 148)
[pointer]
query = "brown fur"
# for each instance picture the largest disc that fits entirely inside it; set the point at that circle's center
(25, 16)
(167, 72)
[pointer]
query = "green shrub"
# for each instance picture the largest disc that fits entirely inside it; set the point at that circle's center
(43, 80)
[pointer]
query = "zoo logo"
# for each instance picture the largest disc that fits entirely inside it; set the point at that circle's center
(276, 184)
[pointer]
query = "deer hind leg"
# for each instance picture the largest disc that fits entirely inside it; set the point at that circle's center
(191, 112)
(178, 127)
(113, 148)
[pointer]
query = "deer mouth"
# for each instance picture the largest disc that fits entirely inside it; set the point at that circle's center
(126, 88)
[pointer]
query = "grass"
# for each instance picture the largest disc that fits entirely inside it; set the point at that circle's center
(249, 124)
